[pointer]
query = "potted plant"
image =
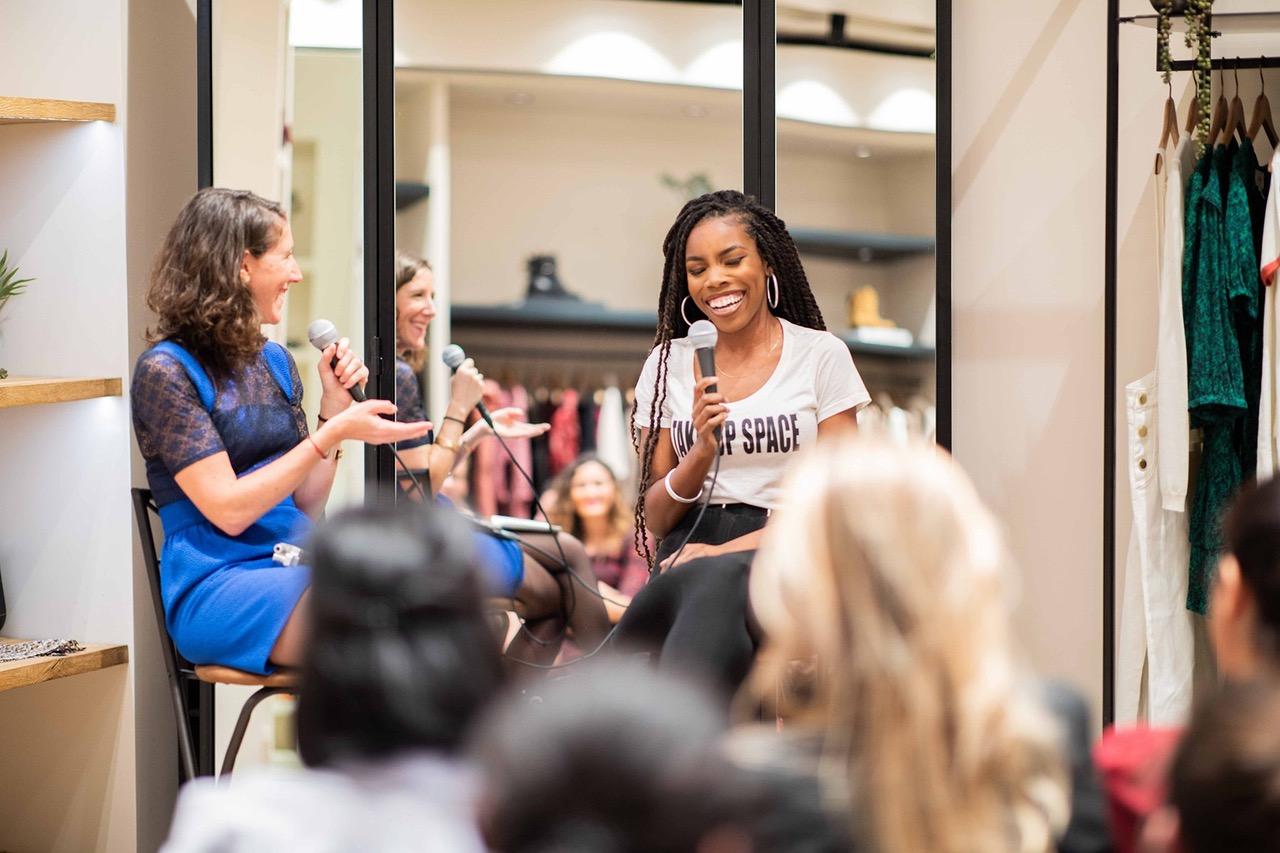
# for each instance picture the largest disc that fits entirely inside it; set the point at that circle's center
(10, 286)
(1199, 38)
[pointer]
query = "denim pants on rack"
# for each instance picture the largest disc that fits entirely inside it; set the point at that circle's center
(1156, 657)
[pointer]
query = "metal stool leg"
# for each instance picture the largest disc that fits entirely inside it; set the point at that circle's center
(242, 725)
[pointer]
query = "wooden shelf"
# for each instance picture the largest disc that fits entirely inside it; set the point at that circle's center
(856, 246)
(911, 353)
(560, 314)
(29, 110)
(33, 391)
(23, 673)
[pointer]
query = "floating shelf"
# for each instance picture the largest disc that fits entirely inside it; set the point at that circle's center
(33, 391)
(565, 314)
(1223, 23)
(856, 246)
(911, 353)
(30, 110)
(23, 673)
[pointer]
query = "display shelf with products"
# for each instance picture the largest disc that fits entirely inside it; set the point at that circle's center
(23, 673)
(35, 110)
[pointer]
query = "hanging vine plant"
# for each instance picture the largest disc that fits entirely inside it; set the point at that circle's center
(1200, 39)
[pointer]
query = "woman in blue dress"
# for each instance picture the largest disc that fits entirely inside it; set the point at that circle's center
(529, 570)
(218, 416)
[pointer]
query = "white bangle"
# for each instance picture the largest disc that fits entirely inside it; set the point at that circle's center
(666, 481)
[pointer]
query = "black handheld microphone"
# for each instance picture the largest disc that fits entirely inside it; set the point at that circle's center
(322, 333)
(703, 336)
(454, 356)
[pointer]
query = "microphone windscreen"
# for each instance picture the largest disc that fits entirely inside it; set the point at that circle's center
(702, 334)
(453, 356)
(321, 333)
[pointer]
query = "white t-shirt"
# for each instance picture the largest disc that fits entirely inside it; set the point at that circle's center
(416, 802)
(815, 379)
(1269, 412)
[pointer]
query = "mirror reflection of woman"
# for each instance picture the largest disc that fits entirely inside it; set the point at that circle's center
(587, 501)
(217, 410)
(529, 572)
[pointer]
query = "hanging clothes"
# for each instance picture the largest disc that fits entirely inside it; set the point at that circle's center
(1155, 658)
(1268, 423)
(516, 496)
(613, 441)
(566, 430)
(1220, 313)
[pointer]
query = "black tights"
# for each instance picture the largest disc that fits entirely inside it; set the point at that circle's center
(694, 619)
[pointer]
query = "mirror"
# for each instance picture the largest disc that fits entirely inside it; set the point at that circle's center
(542, 152)
(856, 187)
(288, 124)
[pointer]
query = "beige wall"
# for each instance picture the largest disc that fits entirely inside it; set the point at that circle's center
(160, 172)
(1028, 176)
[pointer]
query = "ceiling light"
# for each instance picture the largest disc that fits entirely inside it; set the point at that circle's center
(862, 151)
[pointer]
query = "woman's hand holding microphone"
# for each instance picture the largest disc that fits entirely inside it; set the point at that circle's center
(342, 418)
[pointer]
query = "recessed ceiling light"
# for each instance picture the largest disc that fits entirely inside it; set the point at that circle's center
(695, 111)
(519, 99)
(863, 152)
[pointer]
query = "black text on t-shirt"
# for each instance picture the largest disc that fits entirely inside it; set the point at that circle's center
(768, 434)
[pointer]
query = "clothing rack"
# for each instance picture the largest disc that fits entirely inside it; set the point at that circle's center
(1223, 23)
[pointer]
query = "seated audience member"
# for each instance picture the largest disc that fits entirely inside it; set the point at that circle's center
(586, 501)
(1244, 630)
(399, 663)
(1225, 783)
(625, 760)
(882, 580)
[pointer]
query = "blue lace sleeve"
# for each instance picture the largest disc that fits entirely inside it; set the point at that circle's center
(409, 408)
(170, 422)
(299, 416)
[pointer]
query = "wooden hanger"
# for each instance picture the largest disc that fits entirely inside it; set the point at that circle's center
(1193, 112)
(1220, 109)
(1170, 128)
(1235, 117)
(1262, 114)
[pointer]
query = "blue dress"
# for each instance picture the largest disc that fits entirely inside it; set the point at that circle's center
(501, 560)
(225, 600)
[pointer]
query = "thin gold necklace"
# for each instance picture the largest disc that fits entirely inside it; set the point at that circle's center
(773, 347)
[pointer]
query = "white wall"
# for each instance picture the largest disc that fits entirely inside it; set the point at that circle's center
(65, 549)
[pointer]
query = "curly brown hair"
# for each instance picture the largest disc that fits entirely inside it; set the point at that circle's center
(196, 290)
(562, 512)
(407, 266)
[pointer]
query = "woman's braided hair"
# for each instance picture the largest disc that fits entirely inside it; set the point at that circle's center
(795, 303)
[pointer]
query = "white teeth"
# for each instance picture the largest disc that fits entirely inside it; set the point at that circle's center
(725, 301)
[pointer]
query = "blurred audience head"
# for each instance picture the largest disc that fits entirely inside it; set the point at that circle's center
(884, 577)
(585, 491)
(1244, 614)
(400, 656)
(611, 760)
(1225, 781)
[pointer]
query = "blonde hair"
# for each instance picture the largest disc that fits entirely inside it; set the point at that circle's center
(884, 569)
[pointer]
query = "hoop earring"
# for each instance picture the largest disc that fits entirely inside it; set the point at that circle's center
(682, 314)
(776, 293)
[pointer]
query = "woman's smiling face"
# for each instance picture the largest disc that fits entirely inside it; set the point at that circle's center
(415, 308)
(726, 273)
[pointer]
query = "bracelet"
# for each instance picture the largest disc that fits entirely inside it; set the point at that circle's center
(666, 481)
(455, 420)
(451, 446)
(316, 447)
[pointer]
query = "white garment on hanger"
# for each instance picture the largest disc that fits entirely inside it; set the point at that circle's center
(613, 441)
(1171, 341)
(1268, 423)
(1156, 654)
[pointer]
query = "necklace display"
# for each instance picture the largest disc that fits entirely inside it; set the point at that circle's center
(772, 347)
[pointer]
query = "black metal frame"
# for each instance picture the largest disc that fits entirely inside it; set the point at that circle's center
(760, 43)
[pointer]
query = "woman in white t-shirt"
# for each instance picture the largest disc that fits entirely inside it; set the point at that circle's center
(782, 383)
